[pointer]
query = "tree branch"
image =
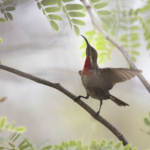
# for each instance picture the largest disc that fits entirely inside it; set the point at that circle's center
(115, 43)
(72, 96)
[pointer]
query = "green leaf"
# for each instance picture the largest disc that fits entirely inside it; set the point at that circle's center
(118, 145)
(54, 17)
(63, 8)
(21, 144)
(78, 22)
(134, 148)
(95, 1)
(29, 144)
(101, 5)
(5, 15)
(137, 11)
(16, 138)
(135, 52)
(10, 8)
(7, 2)
(135, 45)
(2, 10)
(11, 144)
(24, 147)
(52, 9)
(1, 40)
(2, 20)
(104, 12)
(59, 3)
(65, 1)
(145, 8)
(77, 31)
(9, 15)
(134, 36)
(90, 33)
(124, 38)
(133, 59)
(48, 2)
(20, 129)
(39, 146)
(105, 21)
(132, 20)
(134, 28)
(148, 21)
(130, 12)
(148, 46)
(74, 6)
(127, 147)
(111, 142)
(39, 5)
(2, 122)
(76, 14)
(47, 147)
(123, 27)
(54, 25)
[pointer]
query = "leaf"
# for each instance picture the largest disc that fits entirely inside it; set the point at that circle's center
(10, 8)
(90, 33)
(123, 27)
(22, 143)
(39, 5)
(127, 147)
(135, 45)
(145, 8)
(2, 10)
(148, 21)
(135, 52)
(54, 25)
(134, 148)
(74, 6)
(65, 1)
(24, 147)
(63, 8)
(2, 20)
(134, 36)
(78, 22)
(105, 21)
(52, 9)
(47, 147)
(1, 40)
(7, 2)
(76, 14)
(39, 146)
(134, 28)
(132, 20)
(111, 142)
(104, 12)
(54, 17)
(2, 122)
(130, 12)
(148, 46)
(11, 144)
(101, 5)
(48, 2)
(137, 11)
(20, 129)
(59, 3)
(5, 15)
(133, 59)
(118, 145)
(9, 15)
(16, 138)
(77, 31)
(124, 38)
(95, 1)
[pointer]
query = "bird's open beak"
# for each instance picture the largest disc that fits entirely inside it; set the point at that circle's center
(88, 46)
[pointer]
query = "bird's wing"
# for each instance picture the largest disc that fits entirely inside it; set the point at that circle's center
(111, 76)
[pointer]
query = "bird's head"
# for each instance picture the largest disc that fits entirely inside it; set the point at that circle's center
(91, 56)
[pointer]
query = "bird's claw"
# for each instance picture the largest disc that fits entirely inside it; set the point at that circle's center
(77, 98)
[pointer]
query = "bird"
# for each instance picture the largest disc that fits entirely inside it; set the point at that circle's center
(98, 81)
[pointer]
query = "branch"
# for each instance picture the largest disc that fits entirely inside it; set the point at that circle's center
(70, 95)
(115, 43)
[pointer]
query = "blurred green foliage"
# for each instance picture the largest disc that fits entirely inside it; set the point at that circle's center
(72, 11)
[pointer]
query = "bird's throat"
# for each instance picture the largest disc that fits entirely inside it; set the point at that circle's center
(87, 66)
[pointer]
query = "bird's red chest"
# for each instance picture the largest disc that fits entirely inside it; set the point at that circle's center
(87, 67)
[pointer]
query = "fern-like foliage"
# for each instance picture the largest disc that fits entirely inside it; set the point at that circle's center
(6, 7)
(147, 123)
(72, 11)
(124, 24)
(6, 126)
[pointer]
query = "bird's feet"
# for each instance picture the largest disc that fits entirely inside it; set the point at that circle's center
(77, 98)
(97, 114)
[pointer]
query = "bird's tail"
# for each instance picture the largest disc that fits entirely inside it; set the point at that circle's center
(118, 101)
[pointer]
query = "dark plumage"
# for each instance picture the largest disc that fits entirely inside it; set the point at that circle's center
(98, 81)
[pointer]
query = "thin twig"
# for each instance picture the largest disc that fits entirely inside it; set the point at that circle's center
(72, 96)
(115, 43)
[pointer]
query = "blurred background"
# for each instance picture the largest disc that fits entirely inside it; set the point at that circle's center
(30, 45)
